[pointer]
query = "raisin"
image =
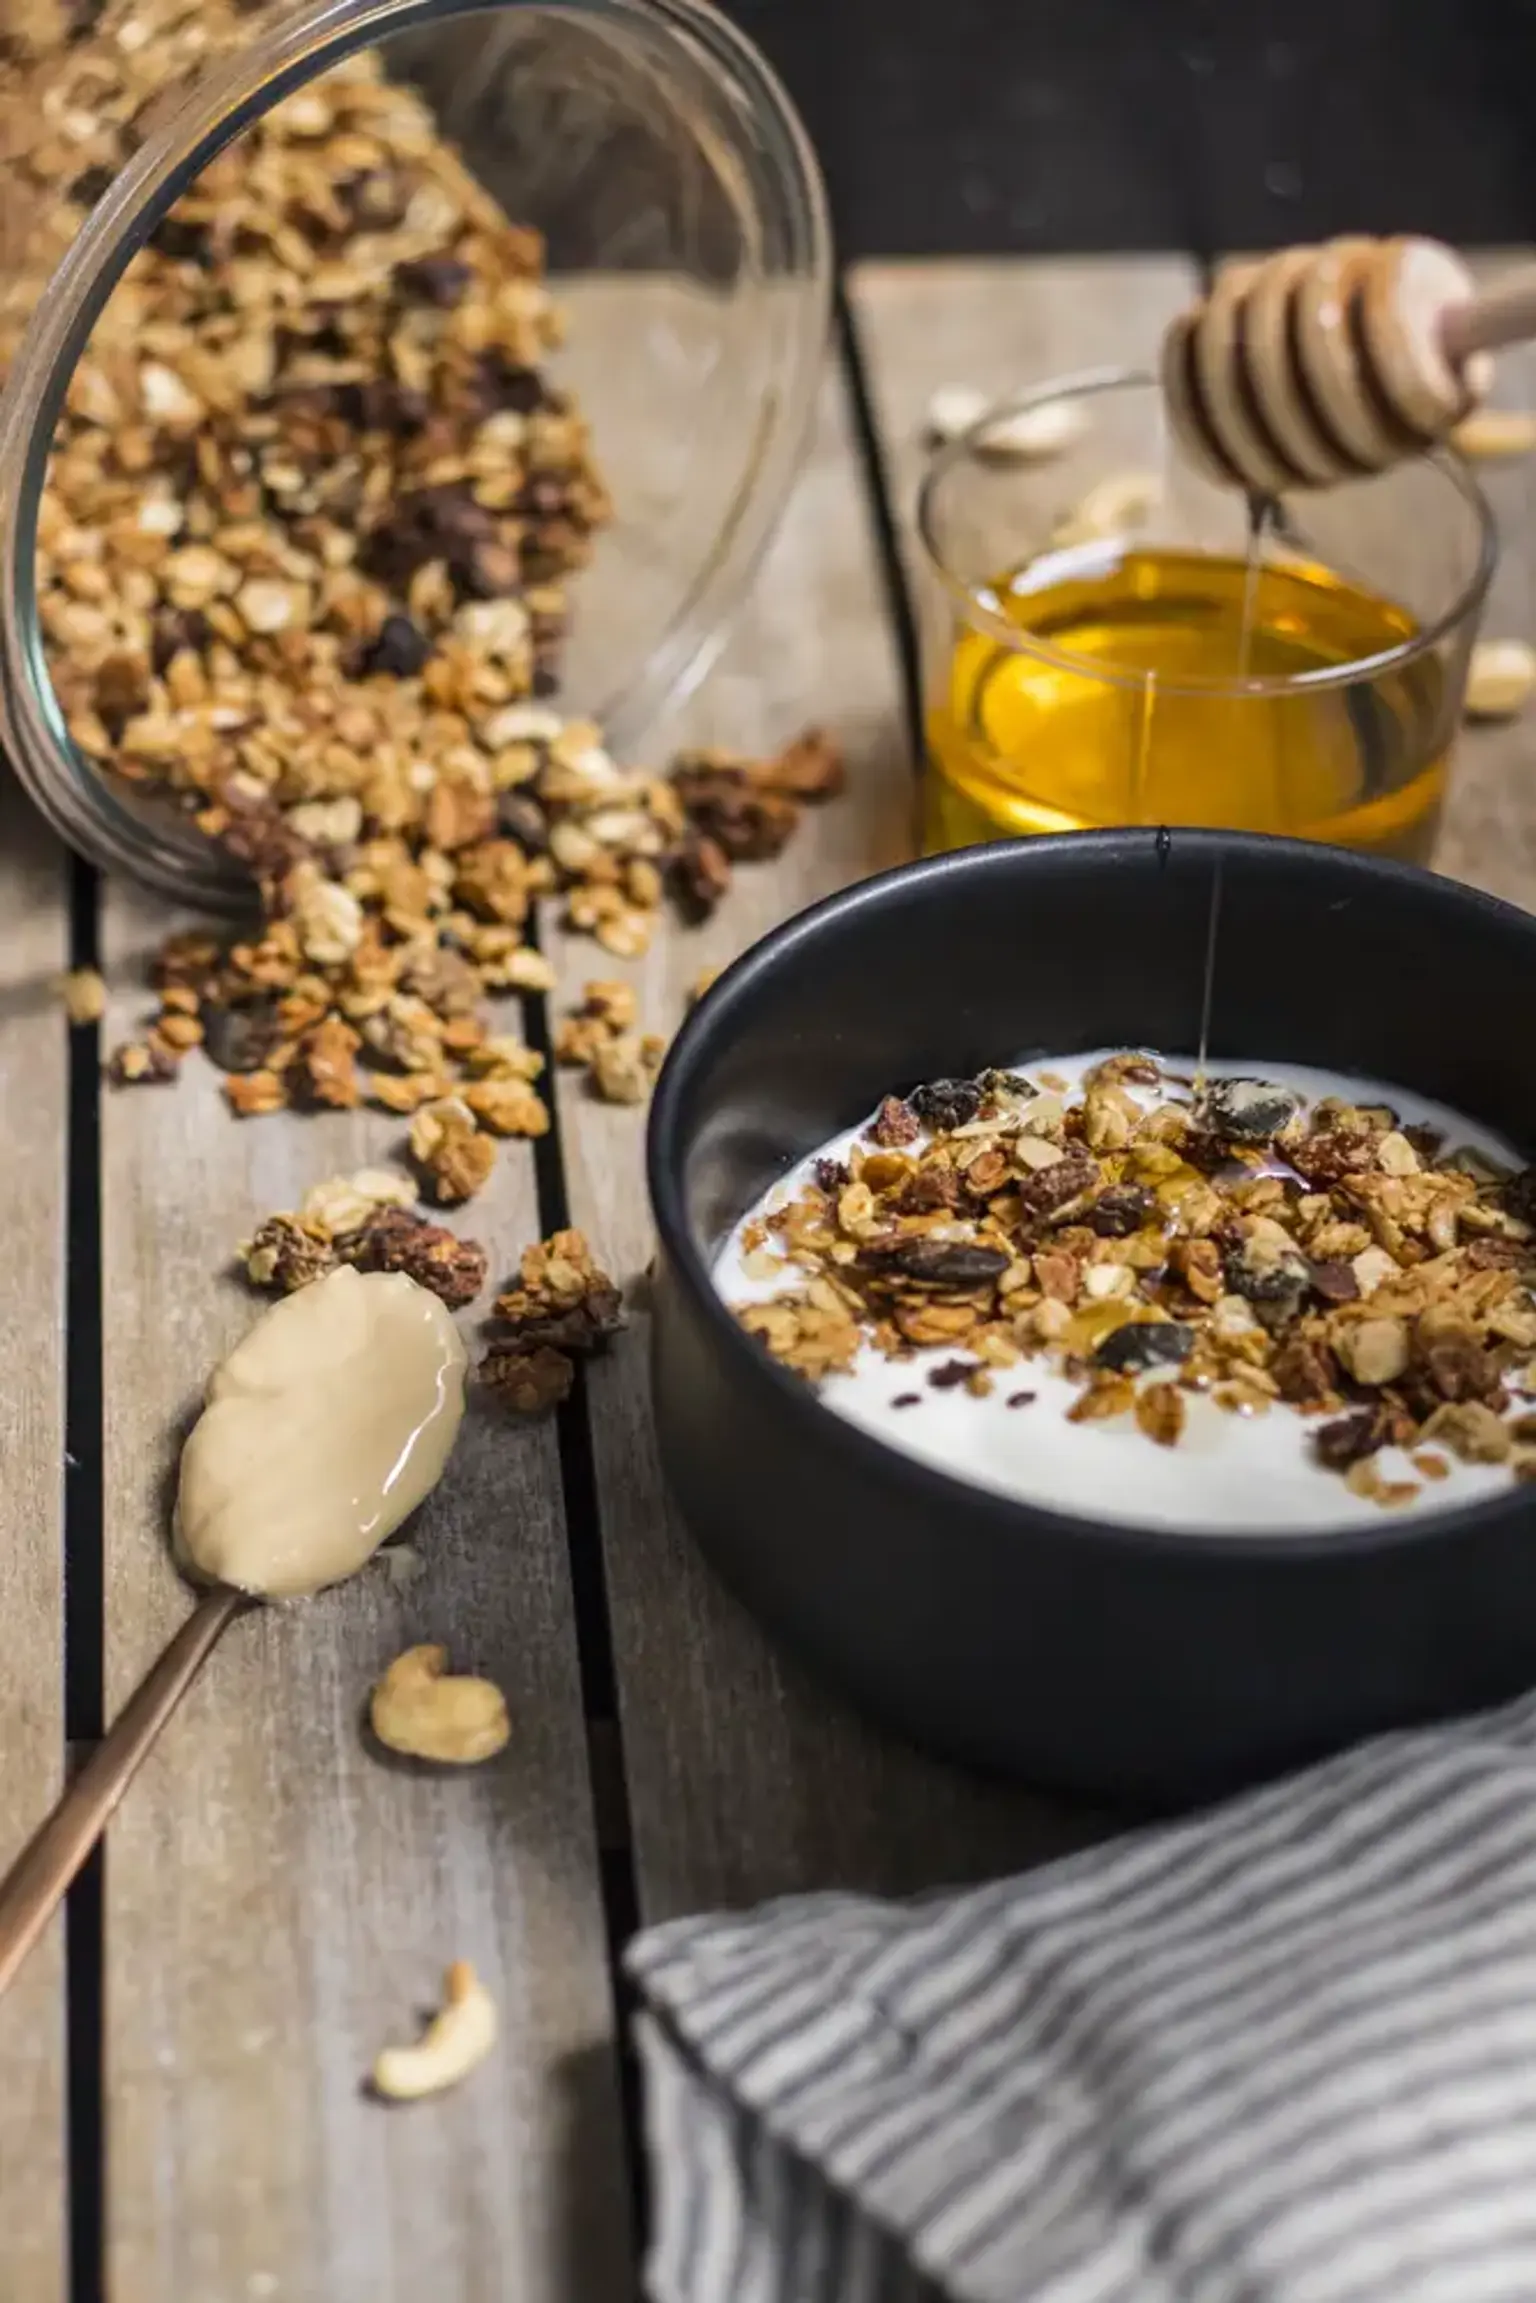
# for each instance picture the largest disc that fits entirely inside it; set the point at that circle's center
(1350, 1438)
(90, 185)
(382, 405)
(519, 817)
(750, 826)
(181, 241)
(954, 1263)
(439, 523)
(1335, 1282)
(1052, 1188)
(1145, 1343)
(952, 1374)
(946, 1103)
(240, 1039)
(1121, 1210)
(700, 874)
(399, 648)
(175, 629)
(439, 280)
(501, 383)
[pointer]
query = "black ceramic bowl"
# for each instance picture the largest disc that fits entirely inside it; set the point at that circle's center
(1108, 1659)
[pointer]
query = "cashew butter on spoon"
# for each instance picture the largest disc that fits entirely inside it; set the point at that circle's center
(324, 1428)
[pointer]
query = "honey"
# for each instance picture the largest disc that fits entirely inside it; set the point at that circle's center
(1149, 721)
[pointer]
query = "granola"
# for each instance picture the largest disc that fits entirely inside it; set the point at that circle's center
(562, 1307)
(1156, 1243)
(601, 1038)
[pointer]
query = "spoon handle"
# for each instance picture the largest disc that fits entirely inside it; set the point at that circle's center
(37, 1881)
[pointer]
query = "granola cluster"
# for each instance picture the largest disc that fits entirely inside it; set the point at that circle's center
(1153, 1241)
(303, 560)
(563, 1308)
(366, 1220)
(602, 1038)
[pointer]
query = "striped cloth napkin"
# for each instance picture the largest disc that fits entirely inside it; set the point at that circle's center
(1284, 2053)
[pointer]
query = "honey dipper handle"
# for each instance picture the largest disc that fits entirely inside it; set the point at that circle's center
(1505, 314)
(38, 1880)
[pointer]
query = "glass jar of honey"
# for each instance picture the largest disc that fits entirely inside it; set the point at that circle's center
(1109, 639)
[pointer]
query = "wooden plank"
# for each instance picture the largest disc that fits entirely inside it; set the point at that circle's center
(33, 1117)
(745, 1779)
(1489, 834)
(1004, 327)
(280, 1902)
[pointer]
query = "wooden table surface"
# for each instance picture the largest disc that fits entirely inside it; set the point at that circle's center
(183, 2118)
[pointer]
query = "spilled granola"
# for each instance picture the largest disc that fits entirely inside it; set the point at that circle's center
(1154, 1243)
(367, 1220)
(563, 1307)
(304, 559)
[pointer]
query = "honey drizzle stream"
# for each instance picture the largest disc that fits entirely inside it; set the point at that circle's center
(1208, 987)
(1261, 510)
(1143, 749)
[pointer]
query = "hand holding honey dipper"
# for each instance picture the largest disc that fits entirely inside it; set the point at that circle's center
(1319, 365)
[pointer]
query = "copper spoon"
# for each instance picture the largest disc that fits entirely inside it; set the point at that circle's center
(42, 1873)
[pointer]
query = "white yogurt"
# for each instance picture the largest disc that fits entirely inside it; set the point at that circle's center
(1252, 1473)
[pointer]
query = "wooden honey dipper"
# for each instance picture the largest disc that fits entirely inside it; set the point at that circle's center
(1318, 365)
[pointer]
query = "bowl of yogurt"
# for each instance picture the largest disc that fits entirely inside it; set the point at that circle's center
(1094, 1318)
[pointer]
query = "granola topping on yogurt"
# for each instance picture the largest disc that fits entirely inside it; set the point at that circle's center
(1269, 1298)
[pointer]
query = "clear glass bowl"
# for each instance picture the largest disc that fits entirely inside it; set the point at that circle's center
(688, 242)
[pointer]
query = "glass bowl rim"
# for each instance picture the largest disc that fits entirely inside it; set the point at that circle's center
(970, 598)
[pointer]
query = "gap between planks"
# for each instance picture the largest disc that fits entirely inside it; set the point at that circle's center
(34, 923)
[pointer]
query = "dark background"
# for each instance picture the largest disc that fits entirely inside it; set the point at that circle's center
(1037, 126)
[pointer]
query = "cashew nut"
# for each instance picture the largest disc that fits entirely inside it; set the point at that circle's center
(1500, 677)
(459, 2036)
(421, 1708)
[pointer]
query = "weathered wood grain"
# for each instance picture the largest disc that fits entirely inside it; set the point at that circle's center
(745, 1779)
(1489, 833)
(33, 1089)
(280, 1900)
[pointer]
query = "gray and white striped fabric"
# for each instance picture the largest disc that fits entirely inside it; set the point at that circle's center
(1284, 2053)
